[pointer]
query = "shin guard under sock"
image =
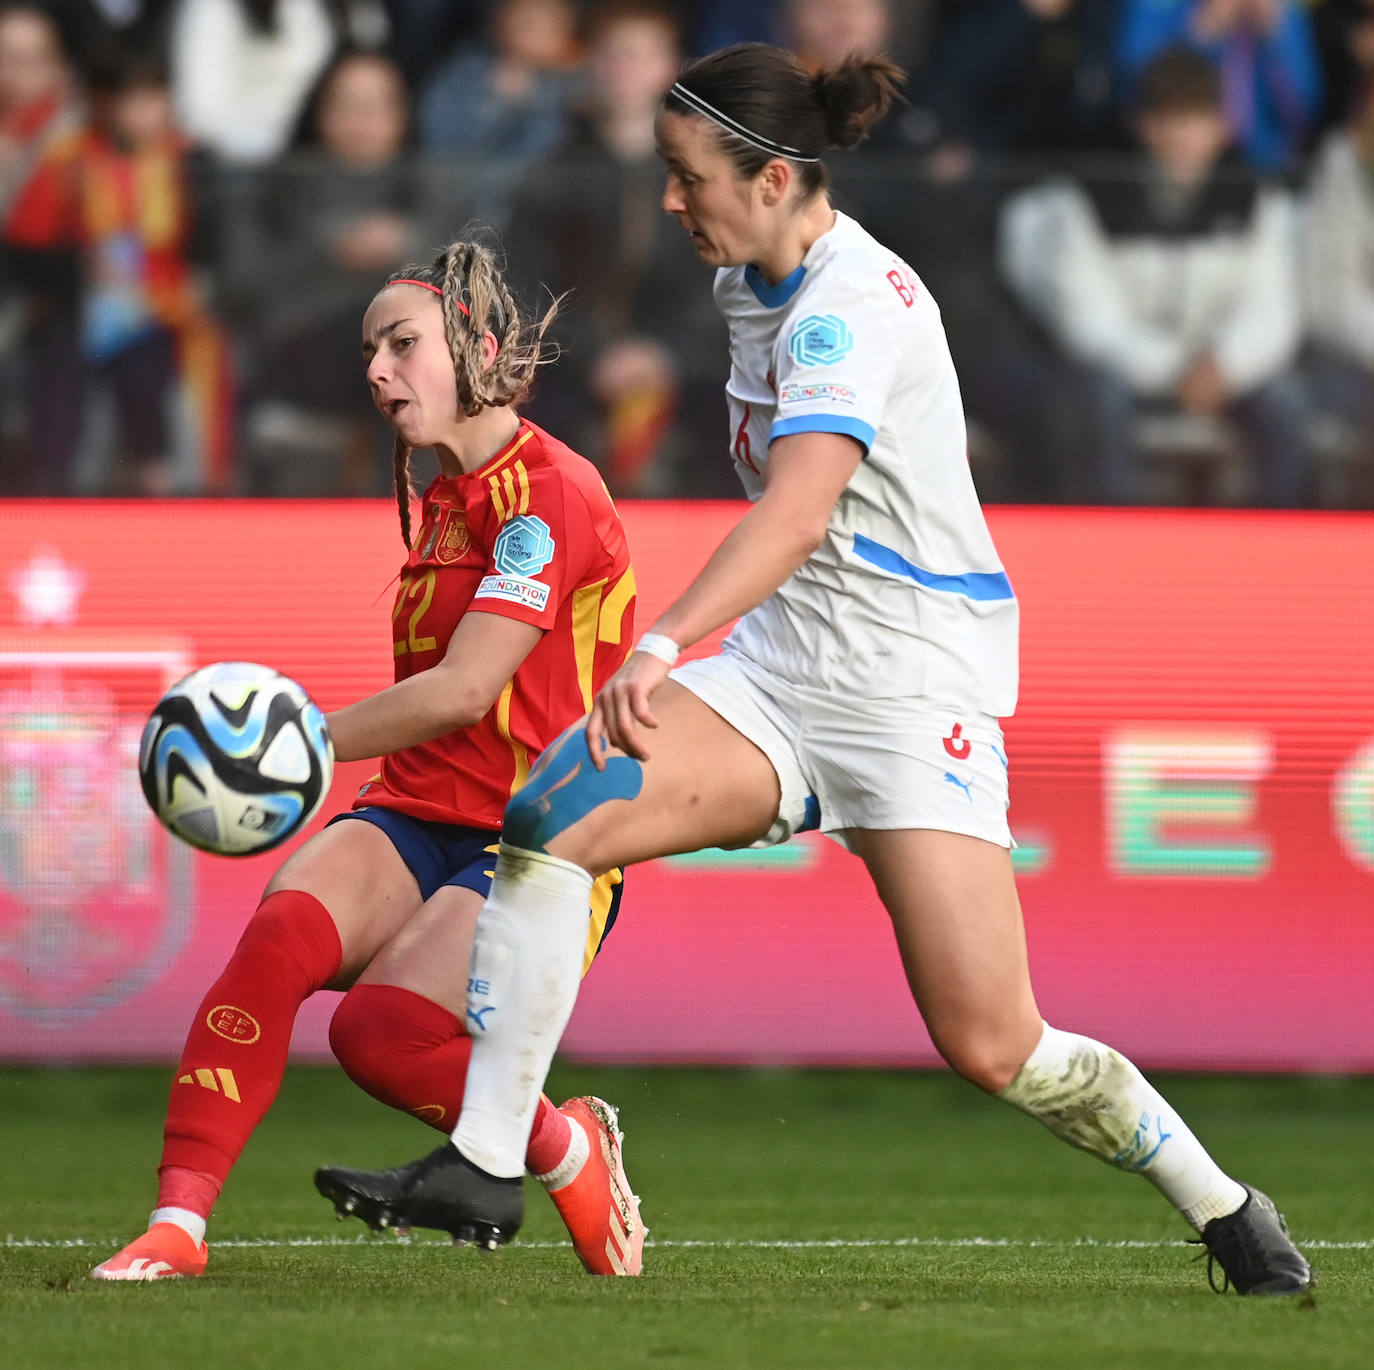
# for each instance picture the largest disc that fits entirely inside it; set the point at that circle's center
(1093, 1098)
(236, 1050)
(526, 967)
(412, 1054)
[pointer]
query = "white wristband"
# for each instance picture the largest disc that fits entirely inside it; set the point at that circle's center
(661, 646)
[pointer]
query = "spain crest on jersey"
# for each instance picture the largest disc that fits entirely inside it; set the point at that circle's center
(453, 537)
(448, 537)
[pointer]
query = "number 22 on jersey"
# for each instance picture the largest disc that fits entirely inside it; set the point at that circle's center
(417, 592)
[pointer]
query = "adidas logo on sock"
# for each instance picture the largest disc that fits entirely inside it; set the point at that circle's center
(220, 1081)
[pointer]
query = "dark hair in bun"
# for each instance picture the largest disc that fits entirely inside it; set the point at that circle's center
(768, 92)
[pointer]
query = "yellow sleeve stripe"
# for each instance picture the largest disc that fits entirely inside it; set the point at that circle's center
(494, 485)
(613, 610)
(510, 491)
(585, 617)
(522, 757)
(601, 910)
(498, 462)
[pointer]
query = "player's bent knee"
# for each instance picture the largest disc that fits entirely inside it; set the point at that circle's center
(374, 1034)
(357, 1045)
(988, 1062)
(563, 789)
(294, 931)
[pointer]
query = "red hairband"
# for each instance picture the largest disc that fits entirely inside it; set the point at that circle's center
(425, 285)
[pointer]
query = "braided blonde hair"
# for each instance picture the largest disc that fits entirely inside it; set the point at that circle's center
(476, 301)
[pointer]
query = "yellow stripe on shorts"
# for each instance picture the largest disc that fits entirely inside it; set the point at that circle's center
(601, 909)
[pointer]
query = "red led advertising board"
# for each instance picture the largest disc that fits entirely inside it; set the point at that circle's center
(1192, 773)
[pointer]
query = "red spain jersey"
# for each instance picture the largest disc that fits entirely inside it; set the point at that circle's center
(532, 535)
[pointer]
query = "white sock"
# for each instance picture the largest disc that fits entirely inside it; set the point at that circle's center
(526, 968)
(182, 1218)
(1093, 1098)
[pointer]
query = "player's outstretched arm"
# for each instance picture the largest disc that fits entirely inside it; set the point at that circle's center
(482, 655)
(807, 472)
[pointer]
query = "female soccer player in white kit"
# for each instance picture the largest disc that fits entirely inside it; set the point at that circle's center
(859, 693)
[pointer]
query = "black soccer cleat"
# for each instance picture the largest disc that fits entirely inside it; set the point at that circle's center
(372, 1195)
(444, 1190)
(1254, 1250)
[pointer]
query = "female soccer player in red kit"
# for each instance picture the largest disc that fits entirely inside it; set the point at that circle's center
(515, 606)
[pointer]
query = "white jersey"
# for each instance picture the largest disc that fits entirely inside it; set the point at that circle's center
(906, 597)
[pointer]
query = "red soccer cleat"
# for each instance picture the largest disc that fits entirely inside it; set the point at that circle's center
(164, 1252)
(599, 1207)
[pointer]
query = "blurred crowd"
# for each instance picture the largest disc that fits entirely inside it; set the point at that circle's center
(1149, 225)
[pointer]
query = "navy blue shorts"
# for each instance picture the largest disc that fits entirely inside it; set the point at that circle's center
(439, 854)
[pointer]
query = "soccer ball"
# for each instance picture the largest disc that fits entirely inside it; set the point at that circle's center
(235, 758)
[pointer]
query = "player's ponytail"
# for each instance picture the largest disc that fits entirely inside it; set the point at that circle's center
(400, 461)
(765, 104)
(476, 301)
(855, 95)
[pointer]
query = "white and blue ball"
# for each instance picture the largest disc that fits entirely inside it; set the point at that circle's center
(235, 758)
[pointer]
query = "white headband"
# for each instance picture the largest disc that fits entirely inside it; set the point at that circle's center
(694, 101)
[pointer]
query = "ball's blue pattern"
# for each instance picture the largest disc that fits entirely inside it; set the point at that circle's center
(202, 754)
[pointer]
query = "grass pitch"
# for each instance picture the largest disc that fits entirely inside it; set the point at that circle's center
(797, 1219)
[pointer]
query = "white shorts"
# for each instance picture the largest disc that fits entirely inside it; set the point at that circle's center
(845, 763)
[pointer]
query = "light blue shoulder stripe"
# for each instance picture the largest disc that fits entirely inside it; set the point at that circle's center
(826, 423)
(986, 585)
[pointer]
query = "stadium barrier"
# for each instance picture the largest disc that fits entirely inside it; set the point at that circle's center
(1192, 791)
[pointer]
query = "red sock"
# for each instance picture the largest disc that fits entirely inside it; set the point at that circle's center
(403, 1049)
(235, 1053)
(550, 1138)
(412, 1054)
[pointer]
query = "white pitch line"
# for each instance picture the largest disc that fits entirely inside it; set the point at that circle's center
(12, 1242)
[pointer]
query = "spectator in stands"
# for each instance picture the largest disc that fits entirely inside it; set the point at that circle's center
(115, 194)
(1176, 288)
(1344, 32)
(1024, 76)
(90, 28)
(305, 251)
(1266, 57)
(243, 69)
(719, 23)
(824, 32)
(821, 31)
(641, 344)
(39, 345)
(1338, 262)
(507, 97)
(39, 99)
(423, 31)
